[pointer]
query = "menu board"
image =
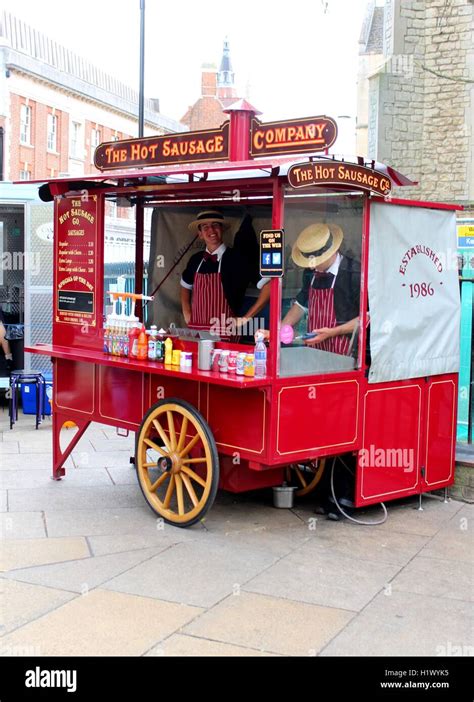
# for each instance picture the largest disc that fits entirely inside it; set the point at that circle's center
(76, 256)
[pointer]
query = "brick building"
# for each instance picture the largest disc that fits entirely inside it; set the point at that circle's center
(217, 92)
(420, 94)
(55, 107)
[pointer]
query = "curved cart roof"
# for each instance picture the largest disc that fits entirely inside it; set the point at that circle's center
(225, 170)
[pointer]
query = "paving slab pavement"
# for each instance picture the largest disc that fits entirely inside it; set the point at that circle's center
(406, 624)
(284, 626)
(86, 568)
(185, 645)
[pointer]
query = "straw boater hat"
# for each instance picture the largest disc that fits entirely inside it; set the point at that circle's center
(316, 244)
(208, 217)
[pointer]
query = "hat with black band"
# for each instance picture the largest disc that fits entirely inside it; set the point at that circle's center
(316, 244)
(208, 217)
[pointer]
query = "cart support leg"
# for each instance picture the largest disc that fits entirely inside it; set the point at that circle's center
(446, 495)
(59, 456)
(420, 508)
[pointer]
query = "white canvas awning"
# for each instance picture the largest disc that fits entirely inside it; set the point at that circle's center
(413, 292)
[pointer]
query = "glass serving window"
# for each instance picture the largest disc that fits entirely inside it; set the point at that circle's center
(321, 284)
(173, 245)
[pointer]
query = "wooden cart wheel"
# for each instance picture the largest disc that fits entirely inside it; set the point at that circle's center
(305, 475)
(177, 462)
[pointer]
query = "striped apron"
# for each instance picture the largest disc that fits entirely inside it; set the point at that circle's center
(209, 306)
(321, 313)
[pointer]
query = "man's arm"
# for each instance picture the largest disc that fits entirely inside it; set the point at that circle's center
(186, 304)
(329, 332)
(293, 315)
(259, 303)
(186, 283)
(4, 343)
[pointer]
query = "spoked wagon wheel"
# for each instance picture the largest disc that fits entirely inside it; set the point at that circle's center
(177, 462)
(305, 476)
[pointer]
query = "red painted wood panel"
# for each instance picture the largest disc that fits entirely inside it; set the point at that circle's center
(441, 432)
(389, 459)
(163, 387)
(240, 478)
(74, 386)
(238, 420)
(121, 395)
(317, 416)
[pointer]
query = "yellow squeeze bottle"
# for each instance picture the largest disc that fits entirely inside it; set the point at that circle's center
(168, 351)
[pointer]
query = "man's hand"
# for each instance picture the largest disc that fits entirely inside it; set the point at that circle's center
(264, 332)
(187, 316)
(321, 335)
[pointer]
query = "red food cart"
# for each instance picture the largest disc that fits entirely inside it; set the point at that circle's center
(393, 406)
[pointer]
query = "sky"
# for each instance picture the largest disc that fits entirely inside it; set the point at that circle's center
(292, 59)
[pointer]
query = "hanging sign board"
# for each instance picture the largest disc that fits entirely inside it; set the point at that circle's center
(76, 260)
(466, 236)
(185, 147)
(271, 253)
(302, 175)
(304, 135)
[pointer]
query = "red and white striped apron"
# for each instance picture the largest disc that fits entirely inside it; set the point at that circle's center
(321, 313)
(209, 304)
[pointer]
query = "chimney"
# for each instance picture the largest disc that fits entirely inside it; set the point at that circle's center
(209, 80)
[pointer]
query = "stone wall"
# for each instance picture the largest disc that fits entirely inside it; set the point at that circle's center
(424, 97)
(463, 488)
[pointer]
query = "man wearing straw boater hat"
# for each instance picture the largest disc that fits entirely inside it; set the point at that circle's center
(330, 295)
(214, 282)
(331, 288)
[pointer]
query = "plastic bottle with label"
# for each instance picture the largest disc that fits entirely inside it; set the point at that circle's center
(106, 338)
(126, 340)
(133, 336)
(152, 342)
(260, 356)
(142, 344)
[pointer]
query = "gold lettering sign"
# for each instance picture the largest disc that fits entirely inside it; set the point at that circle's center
(302, 175)
(185, 147)
(295, 136)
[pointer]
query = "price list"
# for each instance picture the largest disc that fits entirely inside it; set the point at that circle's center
(76, 260)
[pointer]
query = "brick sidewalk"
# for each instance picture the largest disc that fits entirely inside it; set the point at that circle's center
(87, 570)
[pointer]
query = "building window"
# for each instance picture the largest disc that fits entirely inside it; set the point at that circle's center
(52, 132)
(95, 141)
(25, 175)
(25, 124)
(77, 141)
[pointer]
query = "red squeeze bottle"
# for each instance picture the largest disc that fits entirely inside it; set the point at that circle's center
(142, 353)
(133, 341)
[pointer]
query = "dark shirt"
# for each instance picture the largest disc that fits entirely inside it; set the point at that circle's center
(346, 289)
(235, 271)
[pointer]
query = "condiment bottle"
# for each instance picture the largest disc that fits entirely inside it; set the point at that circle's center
(142, 345)
(168, 351)
(133, 337)
(152, 341)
